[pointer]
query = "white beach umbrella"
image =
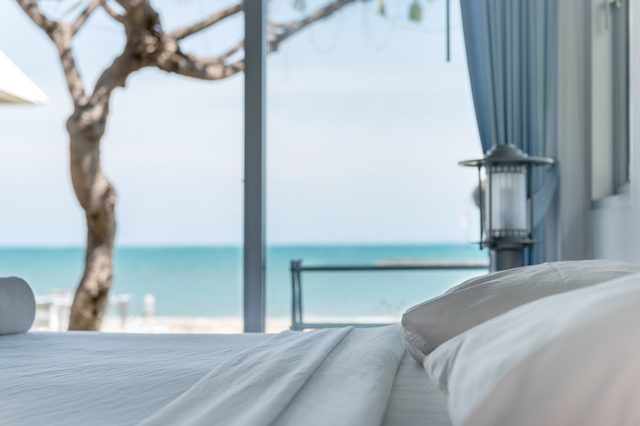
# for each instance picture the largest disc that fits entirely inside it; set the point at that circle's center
(15, 87)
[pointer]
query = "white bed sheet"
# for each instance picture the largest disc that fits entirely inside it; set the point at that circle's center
(118, 379)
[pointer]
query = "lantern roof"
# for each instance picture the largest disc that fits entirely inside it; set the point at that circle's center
(506, 154)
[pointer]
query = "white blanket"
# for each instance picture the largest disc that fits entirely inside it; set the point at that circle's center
(124, 379)
(324, 377)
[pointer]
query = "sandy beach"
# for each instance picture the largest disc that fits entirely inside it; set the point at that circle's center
(225, 325)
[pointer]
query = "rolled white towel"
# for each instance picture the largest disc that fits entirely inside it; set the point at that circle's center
(17, 306)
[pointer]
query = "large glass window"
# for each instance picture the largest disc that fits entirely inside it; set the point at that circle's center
(366, 124)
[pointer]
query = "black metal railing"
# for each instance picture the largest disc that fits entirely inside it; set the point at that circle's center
(297, 268)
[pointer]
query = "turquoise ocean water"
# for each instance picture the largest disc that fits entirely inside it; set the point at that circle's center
(206, 281)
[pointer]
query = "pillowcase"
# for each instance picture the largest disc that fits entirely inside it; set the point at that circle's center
(568, 359)
(428, 325)
(17, 306)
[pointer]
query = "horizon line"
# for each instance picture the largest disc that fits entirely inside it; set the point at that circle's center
(231, 245)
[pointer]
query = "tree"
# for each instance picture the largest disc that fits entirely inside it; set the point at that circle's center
(147, 45)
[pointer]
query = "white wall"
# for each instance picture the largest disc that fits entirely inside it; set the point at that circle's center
(616, 218)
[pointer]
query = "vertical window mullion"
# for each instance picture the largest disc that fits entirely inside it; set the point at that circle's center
(254, 249)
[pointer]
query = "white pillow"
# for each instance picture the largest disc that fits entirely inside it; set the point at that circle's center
(17, 306)
(432, 323)
(568, 359)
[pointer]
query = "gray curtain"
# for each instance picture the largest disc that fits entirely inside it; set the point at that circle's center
(512, 58)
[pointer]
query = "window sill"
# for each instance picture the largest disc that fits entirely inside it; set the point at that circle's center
(623, 198)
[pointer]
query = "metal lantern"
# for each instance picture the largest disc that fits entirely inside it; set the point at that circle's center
(506, 218)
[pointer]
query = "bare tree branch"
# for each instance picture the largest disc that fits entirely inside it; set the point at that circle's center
(209, 21)
(231, 51)
(175, 61)
(115, 75)
(71, 73)
(281, 32)
(33, 11)
(61, 35)
(84, 15)
(115, 15)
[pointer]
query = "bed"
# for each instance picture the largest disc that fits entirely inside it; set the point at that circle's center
(553, 344)
(81, 378)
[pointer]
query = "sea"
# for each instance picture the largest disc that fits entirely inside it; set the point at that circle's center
(207, 281)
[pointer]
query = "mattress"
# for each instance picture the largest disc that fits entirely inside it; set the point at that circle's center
(118, 379)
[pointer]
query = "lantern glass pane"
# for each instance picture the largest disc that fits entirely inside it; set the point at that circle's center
(508, 197)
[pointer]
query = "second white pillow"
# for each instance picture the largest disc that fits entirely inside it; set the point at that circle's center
(428, 325)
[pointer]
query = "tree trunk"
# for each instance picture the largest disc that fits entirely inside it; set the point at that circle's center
(97, 198)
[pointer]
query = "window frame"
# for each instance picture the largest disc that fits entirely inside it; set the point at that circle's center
(621, 98)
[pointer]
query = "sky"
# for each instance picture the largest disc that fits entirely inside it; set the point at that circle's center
(365, 125)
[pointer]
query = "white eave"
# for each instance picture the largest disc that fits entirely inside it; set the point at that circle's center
(15, 87)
